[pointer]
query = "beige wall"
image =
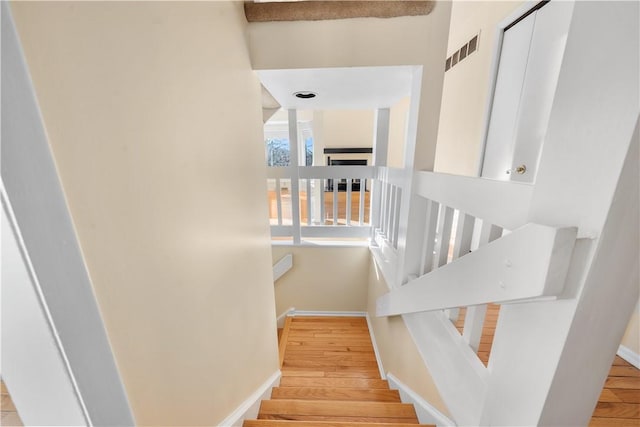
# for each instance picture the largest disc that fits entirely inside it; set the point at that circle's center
(466, 86)
(398, 132)
(153, 115)
(323, 278)
(347, 128)
(631, 338)
(398, 352)
(419, 40)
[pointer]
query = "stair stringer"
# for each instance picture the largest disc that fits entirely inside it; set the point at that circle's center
(459, 375)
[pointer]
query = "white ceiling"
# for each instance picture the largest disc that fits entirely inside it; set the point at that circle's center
(339, 88)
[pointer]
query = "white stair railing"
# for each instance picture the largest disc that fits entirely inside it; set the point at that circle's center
(472, 246)
(317, 201)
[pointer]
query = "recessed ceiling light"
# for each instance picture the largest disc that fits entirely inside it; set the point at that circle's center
(305, 94)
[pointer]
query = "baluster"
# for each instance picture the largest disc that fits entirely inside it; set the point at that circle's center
(348, 207)
(464, 233)
(309, 213)
(444, 235)
(383, 206)
(396, 217)
(428, 243)
(474, 319)
(323, 212)
(391, 205)
(295, 209)
(363, 186)
(279, 201)
(335, 201)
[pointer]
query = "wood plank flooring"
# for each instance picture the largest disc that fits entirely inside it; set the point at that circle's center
(330, 377)
(619, 403)
(8, 411)
(328, 206)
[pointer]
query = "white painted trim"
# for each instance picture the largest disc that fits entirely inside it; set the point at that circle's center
(325, 243)
(503, 203)
(427, 413)
(375, 348)
(281, 318)
(250, 407)
(281, 267)
(302, 313)
(629, 355)
(13, 224)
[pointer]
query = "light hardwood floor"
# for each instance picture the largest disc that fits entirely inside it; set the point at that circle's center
(328, 206)
(10, 416)
(330, 377)
(619, 402)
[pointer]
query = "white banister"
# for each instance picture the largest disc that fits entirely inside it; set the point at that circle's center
(503, 203)
(305, 179)
(530, 262)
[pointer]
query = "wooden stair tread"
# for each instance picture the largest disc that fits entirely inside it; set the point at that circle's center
(292, 423)
(370, 374)
(333, 382)
(332, 408)
(342, 394)
(330, 377)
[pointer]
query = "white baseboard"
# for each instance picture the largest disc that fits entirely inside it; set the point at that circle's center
(280, 320)
(250, 407)
(627, 354)
(375, 348)
(328, 313)
(427, 414)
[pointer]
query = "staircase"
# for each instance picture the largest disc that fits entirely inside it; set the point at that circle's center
(330, 377)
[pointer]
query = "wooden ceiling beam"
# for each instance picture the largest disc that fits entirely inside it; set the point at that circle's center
(324, 10)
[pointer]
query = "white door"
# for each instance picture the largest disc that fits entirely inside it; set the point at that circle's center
(530, 60)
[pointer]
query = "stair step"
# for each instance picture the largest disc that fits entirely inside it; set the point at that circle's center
(335, 356)
(352, 372)
(342, 394)
(330, 410)
(297, 362)
(290, 423)
(333, 382)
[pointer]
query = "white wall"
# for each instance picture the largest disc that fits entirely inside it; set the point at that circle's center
(398, 118)
(153, 115)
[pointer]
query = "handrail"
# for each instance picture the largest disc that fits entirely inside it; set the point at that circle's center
(528, 263)
(504, 203)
